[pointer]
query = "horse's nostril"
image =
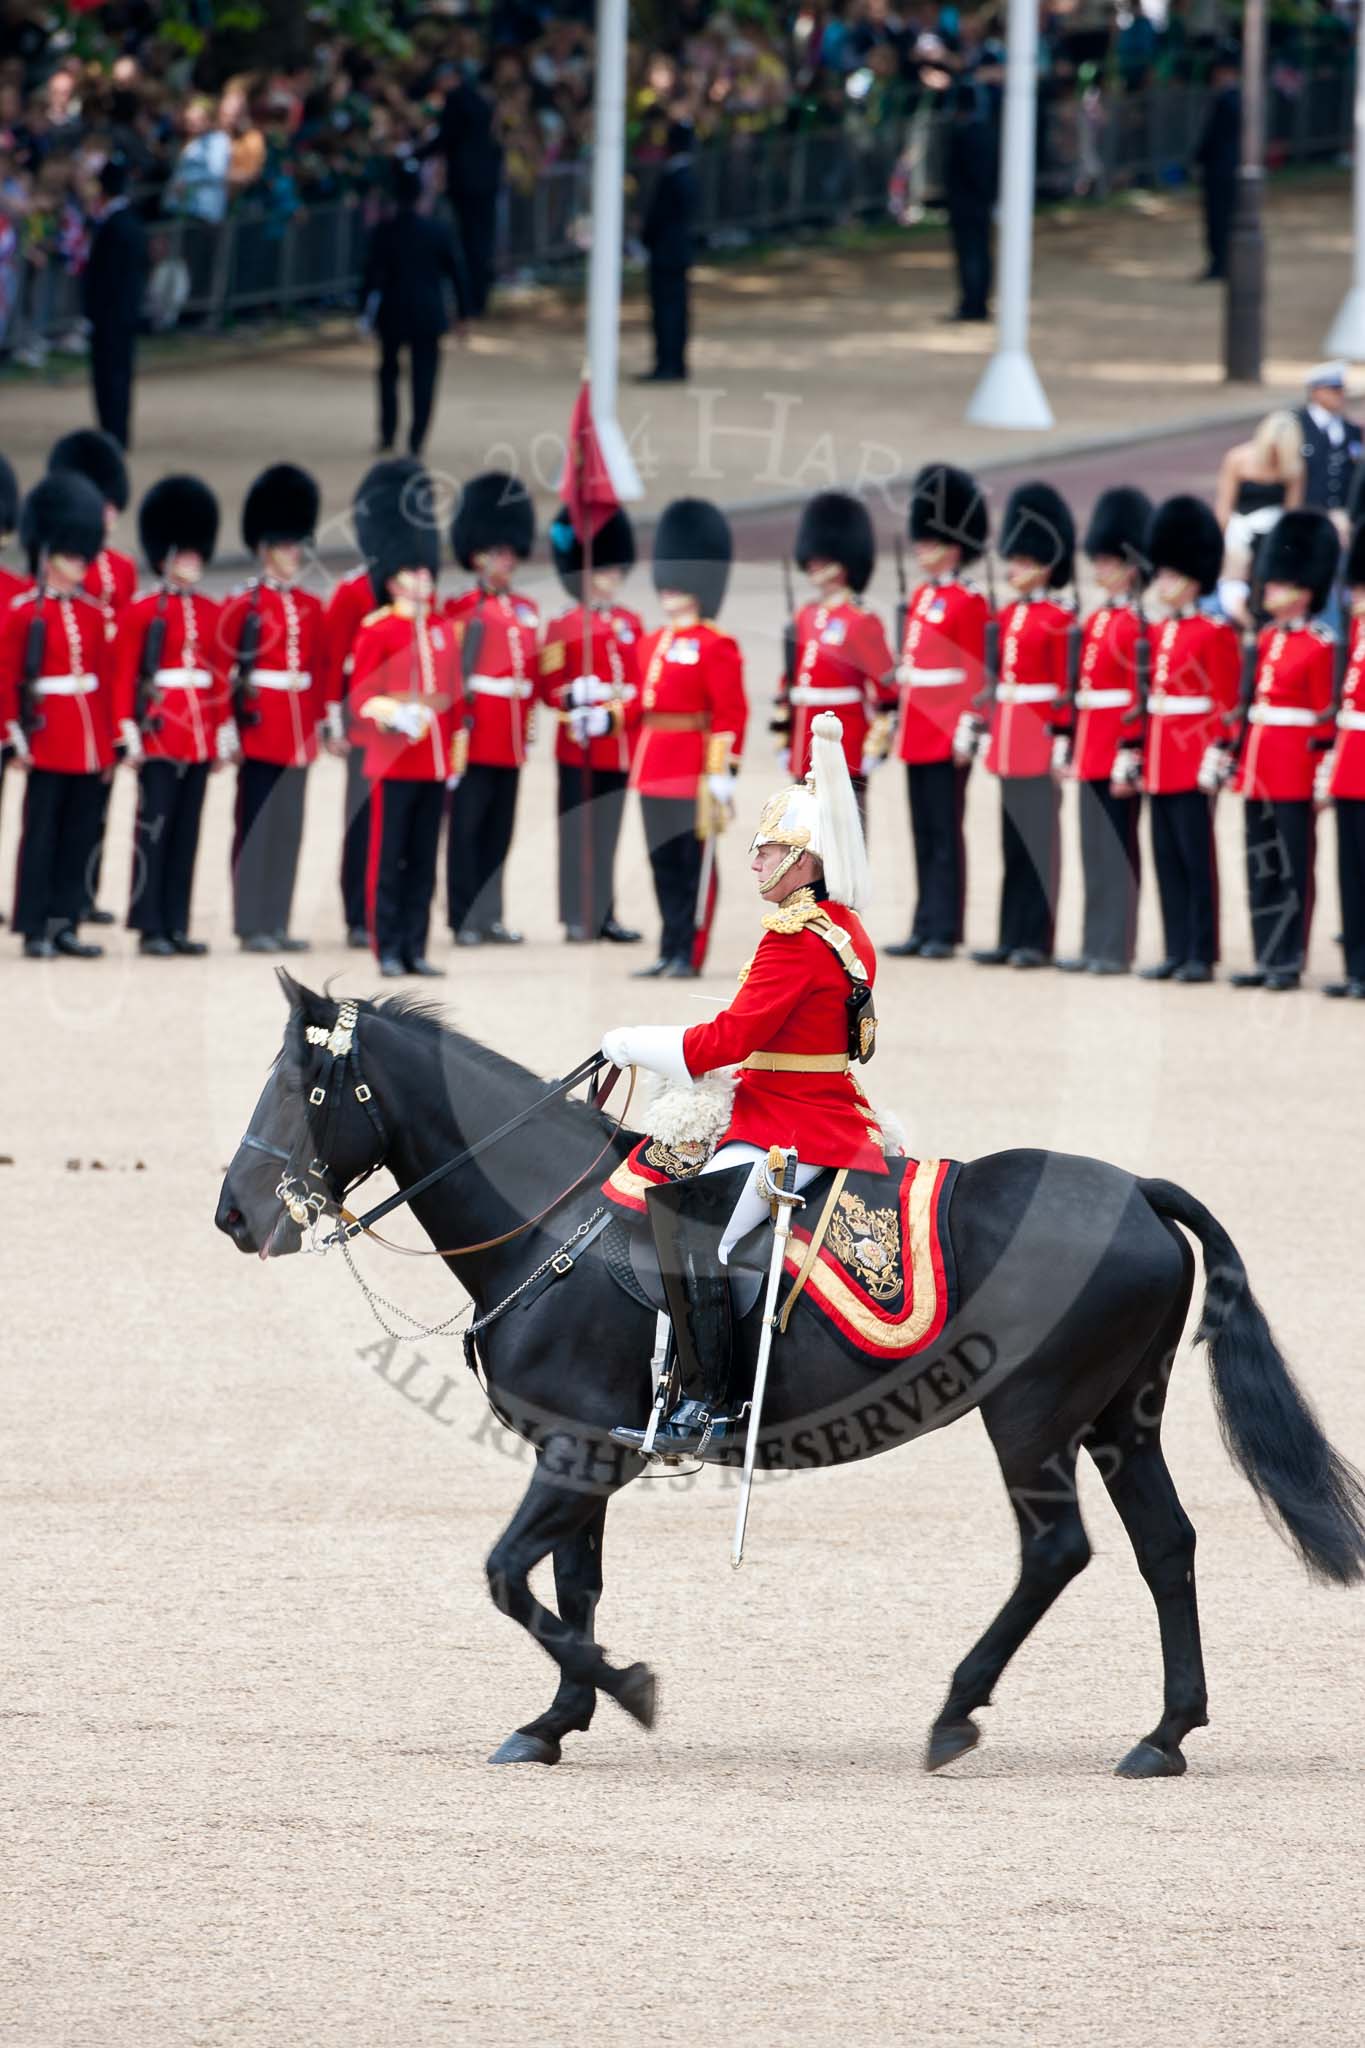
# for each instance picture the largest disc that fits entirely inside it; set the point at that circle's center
(233, 1218)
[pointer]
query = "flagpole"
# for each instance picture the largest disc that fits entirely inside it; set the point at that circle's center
(586, 866)
(608, 223)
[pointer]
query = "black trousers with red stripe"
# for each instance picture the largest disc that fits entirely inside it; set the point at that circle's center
(1111, 860)
(1186, 875)
(483, 812)
(675, 857)
(400, 879)
(1350, 816)
(170, 803)
(61, 828)
(1030, 834)
(589, 827)
(938, 798)
(355, 842)
(265, 846)
(1280, 842)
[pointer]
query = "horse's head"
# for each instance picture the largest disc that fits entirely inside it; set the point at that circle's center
(315, 1131)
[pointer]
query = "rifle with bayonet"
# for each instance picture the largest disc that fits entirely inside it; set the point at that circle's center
(781, 720)
(35, 646)
(245, 710)
(147, 697)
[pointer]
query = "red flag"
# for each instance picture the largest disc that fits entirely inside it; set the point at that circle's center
(586, 485)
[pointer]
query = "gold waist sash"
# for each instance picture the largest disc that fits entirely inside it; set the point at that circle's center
(797, 1062)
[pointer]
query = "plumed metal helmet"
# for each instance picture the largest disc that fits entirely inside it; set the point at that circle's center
(949, 505)
(1355, 558)
(613, 547)
(693, 550)
(1118, 526)
(1302, 549)
(62, 515)
(494, 511)
(836, 527)
(179, 512)
(98, 458)
(397, 480)
(1038, 527)
(1185, 536)
(402, 535)
(282, 505)
(9, 498)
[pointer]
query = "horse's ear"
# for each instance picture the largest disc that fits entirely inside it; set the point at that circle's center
(303, 1001)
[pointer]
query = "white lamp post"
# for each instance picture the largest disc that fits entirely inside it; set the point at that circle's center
(1009, 394)
(604, 261)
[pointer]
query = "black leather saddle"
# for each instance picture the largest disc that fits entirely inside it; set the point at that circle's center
(628, 1252)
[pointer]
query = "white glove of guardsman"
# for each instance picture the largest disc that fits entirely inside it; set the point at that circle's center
(18, 739)
(409, 719)
(656, 1046)
(1216, 768)
(130, 739)
(967, 737)
(229, 742)
(1126, 773)
(589, 722)
(1322, 781)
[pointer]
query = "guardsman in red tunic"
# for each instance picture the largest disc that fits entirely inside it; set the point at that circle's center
(1340, 781)
(170, 698)
(111, 580)
(789, 1031)
(1196, 663)
(493, 531)
(596, 698)
(55, 711)
(940, 674)
(272, 645)
(1031, 712)
(1104, 757)
(12, 584)
(843, 663)
(1288, 731)
(694, 715)
(407, 702)
(351, 602)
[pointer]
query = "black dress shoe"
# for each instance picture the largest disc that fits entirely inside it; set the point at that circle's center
(654, 969)
(155, 947)
(1164, 970)
(93, 916)
(1280, 984)
(1354, 991)
(992, 956)
(1254, 978)
(936, 949)
(193, 949)
(619, 934)
(288, 945)
(1028, 956)
(577, 935)
(469, 936)
(391, 967)
(1108, 967)
(358, 939)
(499, 934)
(77, 948)
(39, 949)
(1079, 965)
(420, 964)
(1193, 971)
(680, 969)
(905, 949)
(260, 942)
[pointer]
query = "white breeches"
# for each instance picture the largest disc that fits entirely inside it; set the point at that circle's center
(752, 1207)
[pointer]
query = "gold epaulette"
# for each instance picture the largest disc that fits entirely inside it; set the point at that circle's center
(371, 618)
(799, 911)
(552, 657)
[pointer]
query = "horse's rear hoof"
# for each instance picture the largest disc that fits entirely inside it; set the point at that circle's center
(950, 1741)
(638, 1694)
(526, 1749)
(1148, 1760)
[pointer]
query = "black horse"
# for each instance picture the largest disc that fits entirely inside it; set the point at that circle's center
(1073, 1288)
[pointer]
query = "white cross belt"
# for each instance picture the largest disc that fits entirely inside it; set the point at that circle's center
(183, 679)
(930, 678)
(499, 686)
(809, 693)
(65, 686)
(1026, 693)
(292, 679)
(1162, 706)
(1283, 714)
(1103, 700)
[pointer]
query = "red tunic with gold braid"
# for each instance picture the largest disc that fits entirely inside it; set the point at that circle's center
(1108, 714)
(286, 682)
(111, 580)
(397, 655)
(1290, 718)
(1030, 706)
(791, 1007)
(190, 698)
(1196, 678)
(72, 697)
(843, 665)
(502, 685)
(694, 709)
(617, 635)
(1347, 778)
(940, 669)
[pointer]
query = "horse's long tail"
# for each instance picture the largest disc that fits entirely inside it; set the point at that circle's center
(1268, 1426)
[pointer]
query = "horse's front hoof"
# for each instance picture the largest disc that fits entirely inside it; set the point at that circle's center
(526, 1749)
(639, 1694)
(950, 1741)
(1149, 1760)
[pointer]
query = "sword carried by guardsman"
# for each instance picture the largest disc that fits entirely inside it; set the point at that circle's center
(712, 819)
(778, 1183)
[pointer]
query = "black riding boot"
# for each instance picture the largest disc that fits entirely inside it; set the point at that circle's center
(688, 1219)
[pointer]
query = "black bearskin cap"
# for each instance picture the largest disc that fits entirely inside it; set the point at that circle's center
(1301, 548)
(401, 536)
(947, 504)
(1355, 558)
(1119, 525)
(282, 505)
(693, 550)
(9, 498)
(1185, 536)
(837, 528)
(98, 458)
(179, 512)
(1038, 526)
(613, 547)
(495, 511)
(397, 480)
(62, 515)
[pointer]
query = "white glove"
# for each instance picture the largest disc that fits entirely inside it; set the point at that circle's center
(967, 738)
(656, 1046)
(409, 719)
(229, 740)
(868, 763)
(18, 739)
(1215, 769)
(1126, 773)
(722, 791)
(333, 728)
(1322, 780)
(592, 722)
(589, 690)
(130, 739)
(454, 781)
(1061, 756)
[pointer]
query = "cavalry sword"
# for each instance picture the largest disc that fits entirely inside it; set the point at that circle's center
(787, 1199)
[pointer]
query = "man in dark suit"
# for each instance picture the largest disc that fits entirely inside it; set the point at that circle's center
(113, 286)
(1218, 154)
(473, 160)
(667, 235)
(971, 177)
(409, 262)
(1331, 442)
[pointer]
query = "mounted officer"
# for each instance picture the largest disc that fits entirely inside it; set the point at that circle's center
(802, 1015)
